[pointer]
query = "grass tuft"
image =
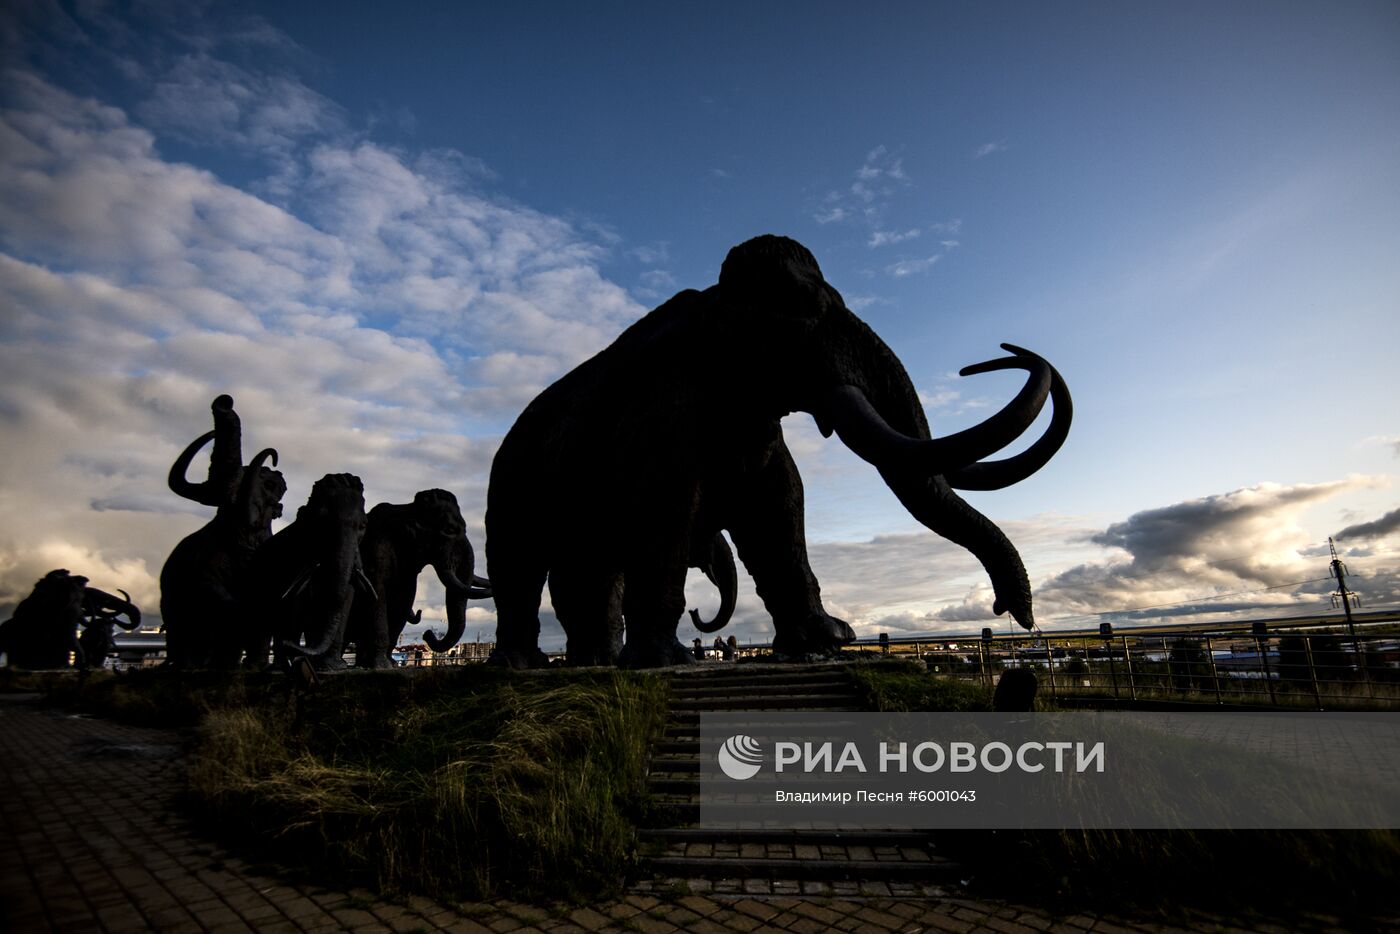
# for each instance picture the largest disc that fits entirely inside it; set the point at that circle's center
(464, 784)
(895, 688)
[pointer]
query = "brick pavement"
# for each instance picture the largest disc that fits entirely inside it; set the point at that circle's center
(91, 840)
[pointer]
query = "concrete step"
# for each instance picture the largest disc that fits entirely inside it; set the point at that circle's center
(759, 690)
(673, 786)
(721, 685)
(700, 867)
(677, 747)
(847, 838)
(828, 701)
(685, 726)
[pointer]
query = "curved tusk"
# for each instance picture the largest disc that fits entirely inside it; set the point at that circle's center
(300, 581)
(251, 473)
(448, 575)
(999, 474)
(363, 582)
(864, 430)
(480, 589)
(181, 486)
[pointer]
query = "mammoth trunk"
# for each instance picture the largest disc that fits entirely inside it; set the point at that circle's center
(327, 595)
(720, 569)
(933, 503)
(225, 462)
(458, 590)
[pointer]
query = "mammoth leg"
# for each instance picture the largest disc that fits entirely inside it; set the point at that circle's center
(518, 577)
(652, 603)
(768, 528)
(656, 548)
(589, 607)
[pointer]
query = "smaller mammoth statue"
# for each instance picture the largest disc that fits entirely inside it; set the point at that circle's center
(401, 540)
(304, 579)
(102, 612)
(43, 633)
(591, 644)
(716, 560)
(203, 585)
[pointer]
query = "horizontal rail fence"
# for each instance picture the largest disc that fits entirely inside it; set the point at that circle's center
(1253, 665)
(1314, 662)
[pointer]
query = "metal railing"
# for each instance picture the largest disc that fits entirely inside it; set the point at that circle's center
(1252, 665)
(1313, 662)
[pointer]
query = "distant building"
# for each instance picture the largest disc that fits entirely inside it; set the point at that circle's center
(418, 655)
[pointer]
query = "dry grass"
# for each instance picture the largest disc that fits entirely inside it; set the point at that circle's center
(465, 784)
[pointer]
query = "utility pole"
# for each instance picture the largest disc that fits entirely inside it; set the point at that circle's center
(1339, 571)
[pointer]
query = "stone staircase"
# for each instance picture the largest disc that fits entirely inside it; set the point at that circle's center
(676, 852)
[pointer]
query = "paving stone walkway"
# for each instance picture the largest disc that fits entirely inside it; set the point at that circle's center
(91, 840)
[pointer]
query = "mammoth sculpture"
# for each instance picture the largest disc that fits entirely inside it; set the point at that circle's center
(43, 632)
(592, 643)
(401, 540)
(101, 612)
(610, 476)
(304, 580)
(203, 585)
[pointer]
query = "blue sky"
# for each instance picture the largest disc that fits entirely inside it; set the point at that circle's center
(383, 232)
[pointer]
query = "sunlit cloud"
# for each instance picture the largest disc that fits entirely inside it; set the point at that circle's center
(371, 310)
(1239, 551)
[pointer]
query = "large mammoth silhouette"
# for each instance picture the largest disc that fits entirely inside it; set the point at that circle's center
(44, 628)
(400, 540)
(610, 475)
(305, 578)
(203, 585)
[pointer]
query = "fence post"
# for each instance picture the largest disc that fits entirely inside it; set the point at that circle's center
(1312, 670)
(1261, 633)
(1214, 674)
(1106, 633)
(985, 648)
(1128, 663)
(1050, 666)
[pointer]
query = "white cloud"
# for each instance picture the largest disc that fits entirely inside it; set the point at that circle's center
(654, 254)
(1390, 441)
(877, 180)
(987, 149)
(940, 399)
(212, 102)
(655, 285)
(1236, 551)
(909, 267)
(886, 237)
(383, 317)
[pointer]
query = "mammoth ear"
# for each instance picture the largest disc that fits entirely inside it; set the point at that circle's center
(777, 275)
